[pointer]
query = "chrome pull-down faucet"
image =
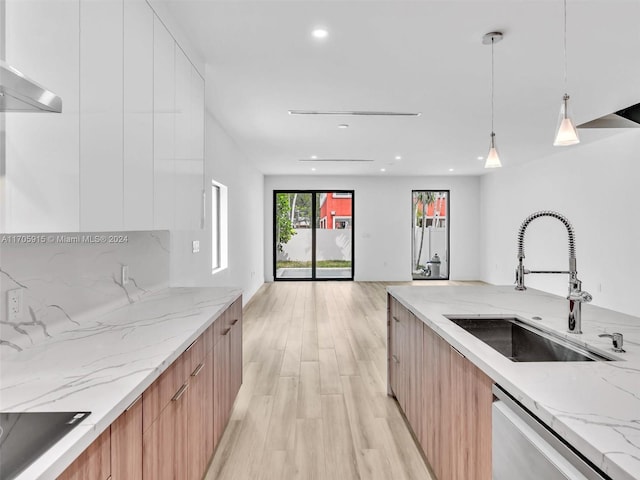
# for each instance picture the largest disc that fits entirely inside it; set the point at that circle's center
(576, 296)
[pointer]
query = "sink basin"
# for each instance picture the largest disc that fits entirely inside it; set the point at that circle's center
(522, 342)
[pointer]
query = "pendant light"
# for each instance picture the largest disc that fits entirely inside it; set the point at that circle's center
(493, 159)
(566, 133)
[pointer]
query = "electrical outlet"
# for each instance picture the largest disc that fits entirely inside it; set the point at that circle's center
(195, 246)
(124, 275)
(14, 304)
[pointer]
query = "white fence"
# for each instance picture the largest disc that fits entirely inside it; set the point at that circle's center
(435, 241)
(330, 245)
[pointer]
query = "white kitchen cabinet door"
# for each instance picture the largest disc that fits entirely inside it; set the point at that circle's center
(42, 168)
(138, 115)
(101, 121)
(197, 141)
(197, 114)
(188, 166)
(164, 126)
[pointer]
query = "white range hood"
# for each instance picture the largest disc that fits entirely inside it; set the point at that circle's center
(18, 93)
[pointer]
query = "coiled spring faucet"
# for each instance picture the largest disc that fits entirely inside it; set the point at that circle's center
(576, 296)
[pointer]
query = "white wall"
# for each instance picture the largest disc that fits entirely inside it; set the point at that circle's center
(225, 163)
(595, 185)
(382, 222)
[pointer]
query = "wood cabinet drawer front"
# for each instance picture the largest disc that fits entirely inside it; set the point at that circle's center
(160, 393)
(235, 311)
(194, 355)
(208, 338)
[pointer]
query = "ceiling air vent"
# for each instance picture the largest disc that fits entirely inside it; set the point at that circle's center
(626, 118)
(363, 113)
(335, 160)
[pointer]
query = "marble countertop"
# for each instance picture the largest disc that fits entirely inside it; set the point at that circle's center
(103, 365)
(595, 406)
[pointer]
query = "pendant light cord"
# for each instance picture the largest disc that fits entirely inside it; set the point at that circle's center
(565, 45)
(492, 84)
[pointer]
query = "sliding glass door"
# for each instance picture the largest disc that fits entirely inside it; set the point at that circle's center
(313, 235)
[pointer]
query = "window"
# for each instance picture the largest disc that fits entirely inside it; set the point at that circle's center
(219, 227)
(341, 222)
(430, 234)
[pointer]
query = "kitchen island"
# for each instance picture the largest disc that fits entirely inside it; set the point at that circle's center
(105, 364)
(594, 406)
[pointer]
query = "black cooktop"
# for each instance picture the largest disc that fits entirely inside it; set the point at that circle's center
(26, 436)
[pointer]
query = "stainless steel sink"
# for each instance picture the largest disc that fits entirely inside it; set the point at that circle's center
(522, 342)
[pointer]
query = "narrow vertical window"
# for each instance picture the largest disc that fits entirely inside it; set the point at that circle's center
(219, 227)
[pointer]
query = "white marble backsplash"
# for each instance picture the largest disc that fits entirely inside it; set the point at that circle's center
(67, 277)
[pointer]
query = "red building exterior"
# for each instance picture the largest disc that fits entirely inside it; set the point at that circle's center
(439, 207)
(335, 210)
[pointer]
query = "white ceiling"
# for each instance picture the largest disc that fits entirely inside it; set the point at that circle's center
(424, 56)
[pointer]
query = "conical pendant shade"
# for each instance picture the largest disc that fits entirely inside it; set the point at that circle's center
(566, 133)
(493, 160)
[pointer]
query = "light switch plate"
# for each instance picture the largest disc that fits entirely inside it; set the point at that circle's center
(195, 246)
(14, 304)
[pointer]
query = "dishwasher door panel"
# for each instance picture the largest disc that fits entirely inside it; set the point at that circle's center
(519, 452)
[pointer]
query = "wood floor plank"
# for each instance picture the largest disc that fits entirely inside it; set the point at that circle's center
(307, 460)
(292, 358)
(310, 346)
(347, 364)
(360, 414)
(329, 373)
(273, 464)
(283, 417)
(374, 465)
(339, 450)
(271, 363)
(309, 402)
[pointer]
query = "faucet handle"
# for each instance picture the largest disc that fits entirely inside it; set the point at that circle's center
(617, 340)
(580, 296)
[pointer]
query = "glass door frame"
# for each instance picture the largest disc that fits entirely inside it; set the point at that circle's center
(314, 194)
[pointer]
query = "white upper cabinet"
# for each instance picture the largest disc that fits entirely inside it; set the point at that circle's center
(164, 107)
(138, 115)
(101, 119)
(189, 161)
(42, 159)
(128, 150)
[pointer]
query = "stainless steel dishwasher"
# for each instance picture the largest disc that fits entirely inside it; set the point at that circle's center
(525, 449)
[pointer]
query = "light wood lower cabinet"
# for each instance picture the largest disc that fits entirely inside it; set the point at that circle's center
(445, 398)
(220, 385)
(471, 400)
(92, 464)
(198, 405)
(126, 444)
(172, 433)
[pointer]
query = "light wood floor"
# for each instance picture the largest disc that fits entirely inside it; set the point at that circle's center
(313, 404)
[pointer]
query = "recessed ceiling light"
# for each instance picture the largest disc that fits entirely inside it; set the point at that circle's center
(398, 157)
(451, 169)
(343, 125)
(313, 157)
(383, 169)
(354, 113)
(481, 158)
(320, 33)
(313, 169)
